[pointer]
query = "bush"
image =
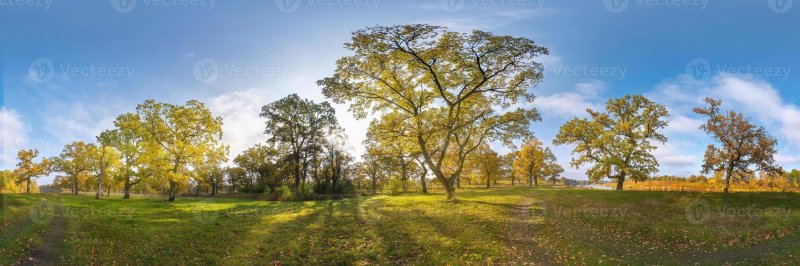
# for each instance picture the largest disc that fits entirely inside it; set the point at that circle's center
(395, 186)
(285, 192)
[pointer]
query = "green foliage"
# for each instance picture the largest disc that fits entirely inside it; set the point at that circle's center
(444, 92)
(741, 144)
(395, 186)
(617, 143)
(291, 193)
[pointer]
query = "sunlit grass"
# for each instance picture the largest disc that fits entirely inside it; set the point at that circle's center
(505, 226)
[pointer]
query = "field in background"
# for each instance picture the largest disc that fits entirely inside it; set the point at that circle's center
(503, 225)
(656, 185)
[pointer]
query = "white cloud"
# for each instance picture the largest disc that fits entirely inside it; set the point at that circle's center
(569, 104)
(242, 127)
(683, 124)
(68, 122)
(14, 134)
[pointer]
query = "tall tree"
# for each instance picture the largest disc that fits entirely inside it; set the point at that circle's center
(552, 170)
(299, 126)
(138, 157)
(741, 144)
(76, 161)
(453, 91)
(106, 160)
(209, 172)
(185, 133)
(27, 171)
(619, 141)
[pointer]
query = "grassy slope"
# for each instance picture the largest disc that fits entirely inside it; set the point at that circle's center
(487, 226)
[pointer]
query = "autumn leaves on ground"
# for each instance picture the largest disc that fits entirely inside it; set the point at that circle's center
(504, 225)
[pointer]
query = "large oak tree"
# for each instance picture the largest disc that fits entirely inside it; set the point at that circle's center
(299, 126)
(185, 133)
(455, 91)
(618, 142)
(741, 144)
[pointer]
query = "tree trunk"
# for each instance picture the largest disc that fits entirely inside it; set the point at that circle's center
(374, 185)
(75, 186)
(535, 181)
(172, 188)
(422, 178)
(451, 193)
(127, 189)
(28, 190)
(620, 182)
(488, 182)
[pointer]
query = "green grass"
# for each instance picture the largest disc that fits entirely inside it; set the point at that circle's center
(497, 226)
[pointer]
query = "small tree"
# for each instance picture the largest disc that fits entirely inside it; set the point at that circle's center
(618, 142)
(741, 144)
(27, 171)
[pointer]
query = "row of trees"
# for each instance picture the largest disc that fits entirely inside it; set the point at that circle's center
(438, 99)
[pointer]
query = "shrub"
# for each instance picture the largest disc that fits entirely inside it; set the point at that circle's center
(395, 186)
(291, 193)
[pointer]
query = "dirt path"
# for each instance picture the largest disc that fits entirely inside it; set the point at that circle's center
(522, 234)
(47, 253)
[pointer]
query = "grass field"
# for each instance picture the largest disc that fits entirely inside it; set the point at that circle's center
(495, 226)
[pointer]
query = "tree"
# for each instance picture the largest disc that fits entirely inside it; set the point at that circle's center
(138, 156)
(298, 125)
(740, 144)
(107, 160)
(552, 170)
(185, 133)
(77, 162)
(209, 172)
(260, 164)
(507, 166)
(531, 161)
(451, 92)
(618, 142)
(395, 144)
(486, 163)
(27, 171)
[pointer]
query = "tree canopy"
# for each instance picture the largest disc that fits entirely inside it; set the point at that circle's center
(619, 141)
(741, 144)
(454, 91)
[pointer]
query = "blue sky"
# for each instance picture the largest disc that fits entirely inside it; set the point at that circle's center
(107, 56)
